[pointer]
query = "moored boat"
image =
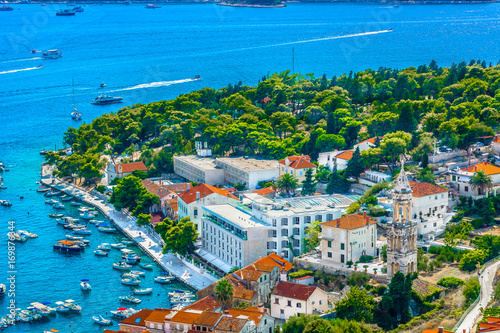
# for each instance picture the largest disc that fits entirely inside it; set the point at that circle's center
(130, 299)
(56, 215)
(27, 234)
(138, 273)
(5, 203)
(85, 285)
(100, 320)
(121, 266)
(78, 9)
(104, 247)
(108, 230)
(83, 232)
(75, 203)
(66, 198)
(68, 246)
(87, 215)
(52, 193)
(123, 313)
(15, 237)
(101, 253)
(144, 291)
(118, 246)
(61, 307)
(163, 279)
(146, 266)
(6, 9)
(131, 281)
(51, 201)
(65, 12)
(72, 305)
(59, 205)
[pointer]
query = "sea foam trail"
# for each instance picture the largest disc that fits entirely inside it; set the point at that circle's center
(20, 70)
(17, 60)
(316, 40)
(153, 85)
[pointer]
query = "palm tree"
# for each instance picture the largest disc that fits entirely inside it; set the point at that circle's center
(481, 182)
(287, 183)
(224, 292)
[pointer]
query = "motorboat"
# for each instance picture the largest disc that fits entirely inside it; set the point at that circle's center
(181, 293)
(102, 85)
(121, 266)
(52, 193)
(59, 205)
(123, 313)
(104, 247)
(78, 9)
(73, 238)
(2, 289)
(130, 257)
(72, 305)
(75, 115)
(27, 234)
(83, 232)
(68, 246)
(130, 299)
(75, 203)
(85, 285)
(146, 266)
(15, 237)
(100, 320)
(22, 317)
(163, 279)
(138, 273)
(45, 306)
(40, 310)
(66, 198)
(62, 221)
(108, 230)
(197, 77)
(131, 281)
(96, 221)
(86, 209)
(105, 99)
(144, 291)
(130, 275)
(51, 201)
(101, 253)
(73, 226)
(5, 203)
(31, 313)
(66, 12)
(127, 242)
(43, 189)
(56, 215)
(6, 9)
(152, 6)
(87, 215)
(118, 246)
(61, 307)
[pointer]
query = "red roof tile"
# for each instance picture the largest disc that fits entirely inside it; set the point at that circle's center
(345, 155)
(293, 290)
(142, 315)
(349, 222)
(422, 189)
(209, 303)
(253, 314)
(264, 191)
(205, 190)
(231, 324)
(158, 315)
(130, 167)
(370, 140)
(208, 319)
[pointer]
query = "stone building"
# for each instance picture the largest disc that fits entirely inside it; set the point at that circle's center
(402, 235)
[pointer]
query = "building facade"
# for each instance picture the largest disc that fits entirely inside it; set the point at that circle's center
(199, 169)
(120, 170)
(348, 238)
(248, 171)
(459, 179)
(402, 234)
(290, 299)
(297, 166)
(341, 158)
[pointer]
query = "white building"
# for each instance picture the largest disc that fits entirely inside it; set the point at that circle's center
(190, 203)
(199, 169)
(495, 144)
(372, 177)
(348, 238)
(459, 179)
(233, 235)
(120, 170)
(341, 157)
(366, 144)
(430, 207)
(290, 299)
(297, 166)
(248, 171)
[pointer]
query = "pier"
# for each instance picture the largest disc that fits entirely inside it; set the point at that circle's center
(148, 241)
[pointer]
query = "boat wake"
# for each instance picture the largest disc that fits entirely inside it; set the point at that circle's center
(17, 60)
(152, 85)
(20, 70)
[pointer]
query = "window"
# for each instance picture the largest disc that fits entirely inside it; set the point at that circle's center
(284, 221)
(442, 196)
(276, 301)
(301, 173)
(299, 305)
(296, 220)
(329, 242)
(458, 187)
(282, 168)
(329, 217)
(195, 212)
(296, 243)
(454, 178)
(296, 231)
(319, 218)
(329, 255)
(342, 258)
(285, 254)
(320, 302)
(284, 244)
(284, 232)
(271, 245)
(466, 189)
(435, 197)
(342, 246)
(289, 303)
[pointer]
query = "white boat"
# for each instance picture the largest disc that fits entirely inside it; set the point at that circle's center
(52, 54)
(131, 281)
(130, 299)
(74, 238)
(108, 230)
(61, 307)
(2, 289)
(31, 313)
(87, 215)
(51, 201)
(146, 266)
(104, 247)
(15, 237)
(101, 253)
(100, 320)
(96, 221)
(123, 313)
(121, 266)
(164, 279)
(62, 221)
(85, 285)
(145, 291)
(118, 246)
(27, 234)
(84, 209)
(5, 203)
(127, 242)
(59, 205)
(22, 317)
(83, 232)
(72, 305)
(40, 309)
(75, 203)
(181, 293)
(138, 273)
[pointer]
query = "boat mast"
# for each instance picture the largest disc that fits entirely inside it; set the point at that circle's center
(73, 84)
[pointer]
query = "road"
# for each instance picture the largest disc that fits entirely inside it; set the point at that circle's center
(486, 281)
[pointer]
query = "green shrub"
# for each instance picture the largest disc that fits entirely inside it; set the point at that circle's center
(365, 259)
(100, 188)
(358, 279)
(450, 282)
(300, 273)
(380, 290)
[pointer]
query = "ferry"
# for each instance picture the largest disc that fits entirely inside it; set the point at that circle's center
(65, 12)
(51, 54)
(104, 99)
(6, 9)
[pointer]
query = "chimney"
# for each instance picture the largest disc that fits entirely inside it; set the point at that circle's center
(464, 330)
(261, 308)
(197, 195)
(338, 223)
(367, 219)
(440, 329)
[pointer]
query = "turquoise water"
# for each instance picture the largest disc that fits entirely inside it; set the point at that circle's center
(147, 55)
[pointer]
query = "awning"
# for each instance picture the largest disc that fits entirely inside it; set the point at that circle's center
(213, 260)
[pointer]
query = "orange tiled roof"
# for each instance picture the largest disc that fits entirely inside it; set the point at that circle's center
(248, 273)
(158, 315)
(349, 222)
(298, 162)
(208, 319)
(156, 189)
(242, 293)
(205, 190)
(422, 189)
(185, 317)
(209, 303)
(345, 155)
(435, 331)
(274, 260)
(252, 313)
(370, 140)
(264, 191)
(130, 167)
(293, 290)
(486, 167)
(231, 324)
(143, 314)
(178, 187)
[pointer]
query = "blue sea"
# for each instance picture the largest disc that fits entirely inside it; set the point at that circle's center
(147, 55)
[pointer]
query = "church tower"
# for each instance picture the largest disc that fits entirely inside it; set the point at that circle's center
(402, 233)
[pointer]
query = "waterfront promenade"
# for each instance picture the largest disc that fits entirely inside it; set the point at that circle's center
(147, 240)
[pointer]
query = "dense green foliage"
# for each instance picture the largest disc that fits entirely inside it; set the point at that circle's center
(224, 292)
(315, 324)
(450, 282)
(471, 290)
(179, 237)
(131, 194)
(300, 273)
(356, 305)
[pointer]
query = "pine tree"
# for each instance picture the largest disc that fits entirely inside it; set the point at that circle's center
(355, 165)
(336, 183)
(309, 186)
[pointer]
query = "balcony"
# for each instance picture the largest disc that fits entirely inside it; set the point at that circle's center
(222, 225)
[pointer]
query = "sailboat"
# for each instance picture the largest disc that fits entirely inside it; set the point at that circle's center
(75, 115)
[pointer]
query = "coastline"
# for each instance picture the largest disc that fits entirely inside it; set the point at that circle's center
(249, 5)
(146, 241)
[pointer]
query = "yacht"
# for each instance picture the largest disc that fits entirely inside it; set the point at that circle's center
(6, 9)
(75, 115)
(197, 77)
(66, 12)
(52, 54)
(104, 99)
(78, 9)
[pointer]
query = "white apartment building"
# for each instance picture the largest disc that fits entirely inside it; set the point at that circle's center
(290, 299)
(233, 235)
(248, 171)
(348, 238)
(459, 179)
(198, 169)
(190, 203)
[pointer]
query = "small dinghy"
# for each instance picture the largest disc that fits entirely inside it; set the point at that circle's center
(130, 299)
(101, 253)
(121, 266)
(164, 279)
(85, 285)
(100, 320)
(146, 266)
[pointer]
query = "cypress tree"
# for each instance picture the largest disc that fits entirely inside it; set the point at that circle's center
(309, 186)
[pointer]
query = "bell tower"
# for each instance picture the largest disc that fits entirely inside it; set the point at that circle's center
(402, 234)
